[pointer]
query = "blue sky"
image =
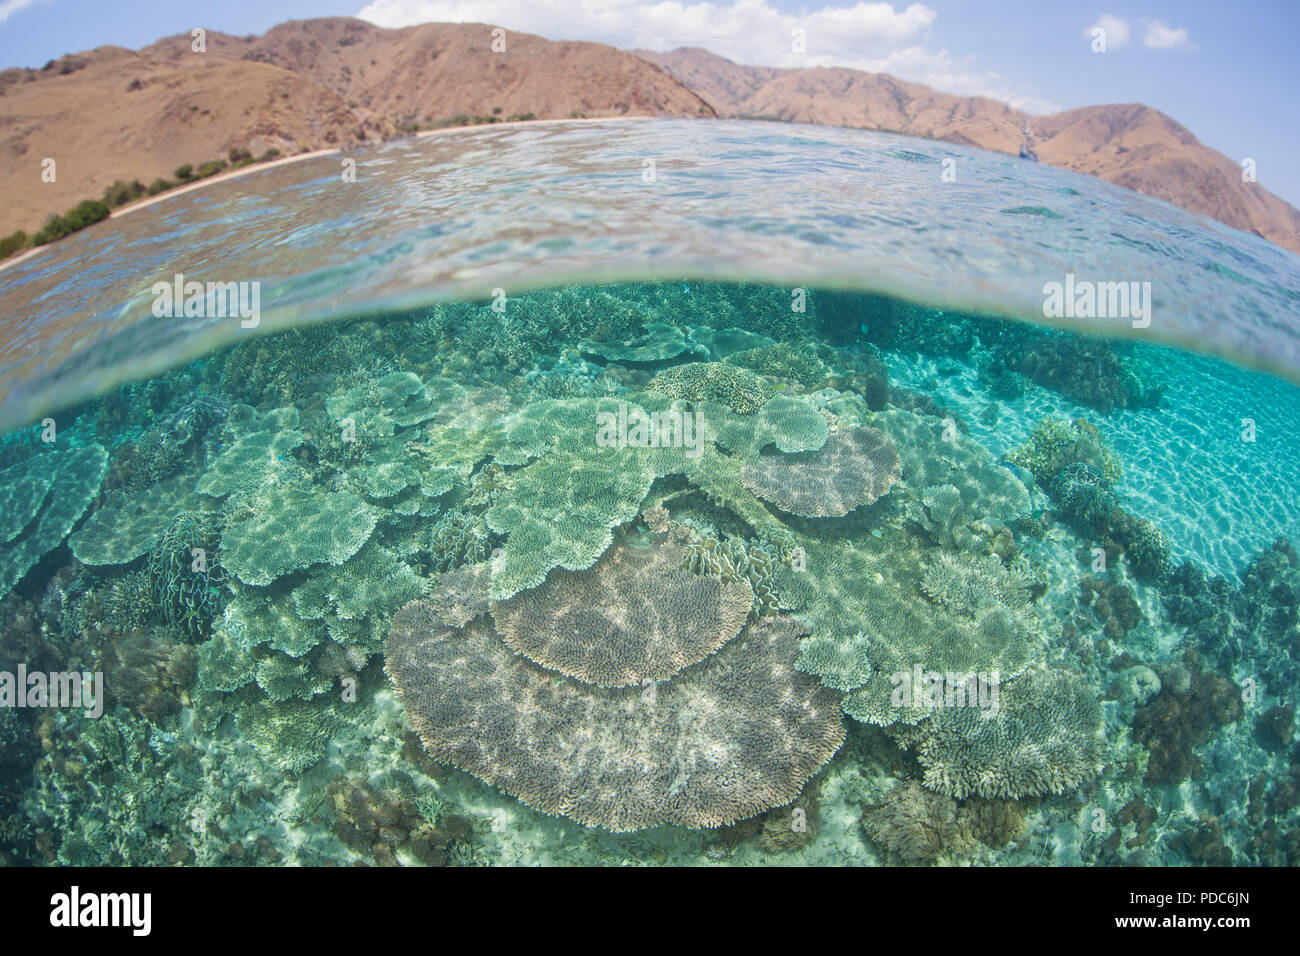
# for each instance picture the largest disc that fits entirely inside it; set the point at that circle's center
(1227, 71)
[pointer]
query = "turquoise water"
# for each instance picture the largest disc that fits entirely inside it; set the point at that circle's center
(393, 576)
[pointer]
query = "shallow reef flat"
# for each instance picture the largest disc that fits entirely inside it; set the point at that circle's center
(660, 573)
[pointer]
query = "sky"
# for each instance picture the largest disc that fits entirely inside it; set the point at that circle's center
(1228, 71)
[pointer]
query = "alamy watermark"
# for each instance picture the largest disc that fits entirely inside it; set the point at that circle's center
(636, 428)
(63, 689)
(918, 688)
(1085, 299)
(213, 300)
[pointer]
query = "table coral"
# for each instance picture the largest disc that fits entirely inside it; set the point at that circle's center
(854, 467)
(295, 527)
(75, 475)
(636, 614)
(737, 734)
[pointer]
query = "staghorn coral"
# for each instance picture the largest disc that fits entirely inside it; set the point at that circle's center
(854, 467)
(1044, 737)
(634, 615)
(737, 388)
(734, 736)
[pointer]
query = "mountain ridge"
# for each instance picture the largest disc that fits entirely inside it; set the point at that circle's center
(112, 114)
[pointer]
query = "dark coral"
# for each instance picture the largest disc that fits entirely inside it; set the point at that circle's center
(1091, 371)
(382, 824)
(1191, 706)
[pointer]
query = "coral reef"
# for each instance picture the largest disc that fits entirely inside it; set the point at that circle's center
(634, 615)
(854, 467)
(1044, 737)
(737, 388)
(622, 759)
(75, 475)
(1191, 706)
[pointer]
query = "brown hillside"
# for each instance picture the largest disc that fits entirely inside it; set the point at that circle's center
(112, 113)
(1134, 145)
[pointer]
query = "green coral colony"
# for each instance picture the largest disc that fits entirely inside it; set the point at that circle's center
(357, 609)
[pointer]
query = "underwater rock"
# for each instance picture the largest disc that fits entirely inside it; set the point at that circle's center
(737, 734)
(635, 615)
(854, 467)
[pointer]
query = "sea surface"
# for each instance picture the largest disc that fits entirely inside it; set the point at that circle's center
(642, 492)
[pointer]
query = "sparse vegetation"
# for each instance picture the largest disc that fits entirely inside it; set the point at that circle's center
(86, 212)
(121, 193)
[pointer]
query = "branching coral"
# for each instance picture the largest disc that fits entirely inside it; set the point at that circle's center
(1044, 737)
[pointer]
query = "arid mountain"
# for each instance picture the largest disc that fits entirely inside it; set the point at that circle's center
(113, 114)
(1132, 145)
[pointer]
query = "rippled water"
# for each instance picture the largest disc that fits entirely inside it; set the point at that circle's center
(458, 214)
(319, 562)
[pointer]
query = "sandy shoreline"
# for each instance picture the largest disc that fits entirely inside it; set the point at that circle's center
(285, 160)
(221, 177)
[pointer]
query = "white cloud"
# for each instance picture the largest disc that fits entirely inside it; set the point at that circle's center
(1161, 36)
(1116, 30)
(877, 37)
(9, 7)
